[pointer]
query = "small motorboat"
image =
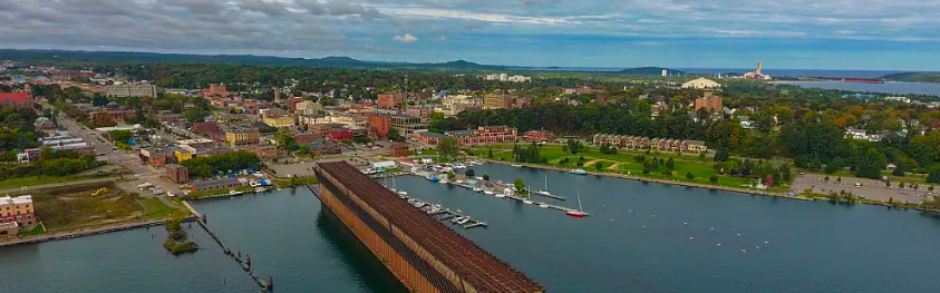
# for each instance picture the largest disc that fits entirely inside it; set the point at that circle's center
(516, 165)
(542, 205)
(578, 171)
(526, 201)
(402, 192)
(477, 189)
(463, 221)
(487, 192)
(500, 195)
(457, 219)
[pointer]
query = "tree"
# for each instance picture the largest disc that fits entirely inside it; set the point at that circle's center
(933, 176)
(870, 165)
(489, 153)
(670, 163)
(519, 184)
(887, 183)
(721, 155)
(839, 179)
(486, 177)
(930, 188)
(598, 166)
(690, 175)
(899, 169)
(447, 148)
(470, 173)
(713, 179)
(835, 165)
(122, 136)
(451, 176)
(394, 135)
(195, 114)
(102, 119)
(827, 178)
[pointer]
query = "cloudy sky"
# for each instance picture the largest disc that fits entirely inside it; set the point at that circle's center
(813, 34)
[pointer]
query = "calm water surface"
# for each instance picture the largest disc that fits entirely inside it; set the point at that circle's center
(640, 238)
(898, 88)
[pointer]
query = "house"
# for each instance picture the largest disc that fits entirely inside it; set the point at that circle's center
(153, 156)
(213, 185)
(701, 83)
(398, 150)
(538, 136)
(16, 100)
(694, 146)
(265, 151)
(241, 135)
(18, 209)
(430, 138)
(325, 147)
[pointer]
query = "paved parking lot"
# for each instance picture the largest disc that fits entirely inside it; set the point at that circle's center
(873, 189)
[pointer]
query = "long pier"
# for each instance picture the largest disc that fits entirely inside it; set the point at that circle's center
(424, 255)
(245, 263)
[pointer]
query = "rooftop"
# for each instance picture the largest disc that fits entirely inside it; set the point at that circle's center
(23, 199)
(15, 97)
(473, 265)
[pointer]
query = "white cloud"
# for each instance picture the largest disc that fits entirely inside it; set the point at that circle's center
(405, 39)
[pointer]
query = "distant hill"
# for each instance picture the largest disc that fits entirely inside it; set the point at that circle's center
(650, 71)
(332, 61)
(914, 77)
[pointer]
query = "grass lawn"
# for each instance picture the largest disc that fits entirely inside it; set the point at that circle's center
(38, 230)
(74, 207)
(701, 169)
(156, 209)
(297, 181)
(39, 180)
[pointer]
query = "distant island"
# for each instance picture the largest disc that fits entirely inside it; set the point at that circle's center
(651, 71)
(914, 77)
(59, 56)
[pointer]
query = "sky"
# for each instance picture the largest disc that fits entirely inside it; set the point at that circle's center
(795, 34)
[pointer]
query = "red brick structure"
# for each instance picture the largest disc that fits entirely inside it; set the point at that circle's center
(398, 150)
(390, 100)
(538, 136)
(205, 127)
(341, 134)
(381, 124)
(304, 137)
(423, 254)
(710, 102)
(16, 100)
(177, 173)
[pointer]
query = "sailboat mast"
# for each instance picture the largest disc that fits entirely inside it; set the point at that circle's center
(580, 208)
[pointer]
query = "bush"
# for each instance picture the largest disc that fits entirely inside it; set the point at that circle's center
(713, 179)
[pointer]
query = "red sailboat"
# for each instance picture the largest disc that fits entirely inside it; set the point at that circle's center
(580, 212)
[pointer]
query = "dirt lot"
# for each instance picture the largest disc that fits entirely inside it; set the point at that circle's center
(873, 189)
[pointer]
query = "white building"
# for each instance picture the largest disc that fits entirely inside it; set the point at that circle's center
(506, 77)
(905, 100)
(701, 83)
(131, 90)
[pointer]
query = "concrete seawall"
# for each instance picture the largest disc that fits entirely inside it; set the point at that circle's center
(83, 233)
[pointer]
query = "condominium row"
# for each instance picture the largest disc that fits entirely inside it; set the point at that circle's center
(655, 144)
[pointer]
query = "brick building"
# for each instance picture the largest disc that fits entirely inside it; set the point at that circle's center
(213, 185)
(390, 100)
(205, 127)
(381, 124)
(177, 173)
(16, 100)
(398, 150)
(18, 209)
(538, 136)
(709, 101)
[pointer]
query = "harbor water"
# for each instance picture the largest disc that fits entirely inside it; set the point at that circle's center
(640, 237)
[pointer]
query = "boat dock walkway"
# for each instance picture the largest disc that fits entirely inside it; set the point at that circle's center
(443, 214)
(552, 196)
(245, 263)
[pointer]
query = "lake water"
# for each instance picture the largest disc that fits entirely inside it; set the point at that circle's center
(636, 240)
(896, 88)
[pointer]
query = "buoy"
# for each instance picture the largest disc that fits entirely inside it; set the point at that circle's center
(690, 237)
(719, 244)
(685, 223)
(739, 234)
(744, 250)
(713, 228)
(757, 247)
(629, 211)
(644, 226)
(765, 242)
(654, 216)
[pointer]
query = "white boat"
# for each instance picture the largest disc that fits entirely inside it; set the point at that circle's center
(578, 171)
(516, 165)
(463, 221)
(526, 201)
(460, 166)
(477, 189)
(487, 192)
(403, 192)
(545, 190)
(542, 205)
(478, 178)
(457, 219)
(500, 195)
(459, 181)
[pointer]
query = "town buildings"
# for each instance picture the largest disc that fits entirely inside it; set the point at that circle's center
(390, 100)
(218, 90)
(480, 136)
(116, 112)
(18, 209)
(381, 124)
(153, 156)
(655, 144)
(283, 121)
(16, 100)
(406, 125)
(709, 101)
(701, 83)
(325, 147)
(265, 151)
(131, 90)
(177, 173)
(507, 77)
(499, 101)
(241, 135)
(538, 136)
(213, 185)
(398, 150)
(307, 108)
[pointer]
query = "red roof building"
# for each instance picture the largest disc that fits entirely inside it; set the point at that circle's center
(18, 100)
